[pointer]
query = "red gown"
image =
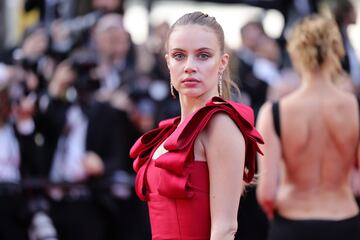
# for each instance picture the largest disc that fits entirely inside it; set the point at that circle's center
(175, 186)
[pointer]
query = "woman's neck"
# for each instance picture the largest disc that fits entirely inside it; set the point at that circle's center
(190, 105)
(317, 80)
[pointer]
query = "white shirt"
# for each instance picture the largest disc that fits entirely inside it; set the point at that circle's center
(70, 151)
(266, 71)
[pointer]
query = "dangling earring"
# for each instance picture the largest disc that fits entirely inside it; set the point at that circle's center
(172, 91)
(220, 85)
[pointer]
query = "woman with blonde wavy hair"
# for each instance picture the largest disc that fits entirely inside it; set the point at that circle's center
(312, 144)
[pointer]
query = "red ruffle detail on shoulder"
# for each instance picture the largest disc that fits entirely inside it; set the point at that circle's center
(143, 148)
(175, 163)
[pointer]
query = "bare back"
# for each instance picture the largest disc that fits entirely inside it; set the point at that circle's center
(319, 139)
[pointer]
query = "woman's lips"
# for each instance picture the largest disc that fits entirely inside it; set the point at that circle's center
(190, 82)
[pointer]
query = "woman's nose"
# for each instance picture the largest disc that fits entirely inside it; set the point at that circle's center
(190, 66)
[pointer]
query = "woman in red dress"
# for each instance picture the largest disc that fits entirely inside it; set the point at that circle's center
(192, 169)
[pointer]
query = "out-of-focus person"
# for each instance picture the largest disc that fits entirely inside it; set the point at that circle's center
(72, 28)
(312, 141)
(118, 79)
(92, 144)
(345, 15)
(267, 63)
(33, 59)
(112, 45)
(151, 62)
(12, 204)
(121, 84)
(253, 90)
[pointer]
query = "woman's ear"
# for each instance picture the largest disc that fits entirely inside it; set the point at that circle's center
(167, 58)
(224, 61)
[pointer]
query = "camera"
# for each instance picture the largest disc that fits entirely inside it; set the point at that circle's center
(84, 65)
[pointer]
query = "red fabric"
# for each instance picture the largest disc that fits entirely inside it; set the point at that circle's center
(177, 187)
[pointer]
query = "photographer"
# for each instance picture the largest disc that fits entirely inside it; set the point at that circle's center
(93, 140)
(69, 32)
(32, 60)
(13, 158)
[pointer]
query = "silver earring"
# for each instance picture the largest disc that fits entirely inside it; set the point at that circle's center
(220, 85)
(172, 91)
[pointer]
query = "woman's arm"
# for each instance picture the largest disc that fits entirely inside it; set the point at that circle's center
(358, 157)
(355, 176)
(269, 162)
(225, 154)
(355, 182)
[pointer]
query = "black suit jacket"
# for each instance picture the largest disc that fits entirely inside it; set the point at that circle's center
(110, 134)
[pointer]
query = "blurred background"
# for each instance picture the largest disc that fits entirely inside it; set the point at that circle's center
(141, 14)
(81, 80)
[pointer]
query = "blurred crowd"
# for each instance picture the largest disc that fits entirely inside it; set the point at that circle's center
(76, 93)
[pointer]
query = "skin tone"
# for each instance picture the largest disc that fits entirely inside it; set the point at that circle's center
(306, 175)
(36, 44)
(107, 4)
(109, 51)
(250, 37)
(195, 60)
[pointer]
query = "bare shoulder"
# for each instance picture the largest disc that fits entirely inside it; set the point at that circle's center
(349, 98)
(222, 139)
(220, 122)
(344, 102)
(221, 128)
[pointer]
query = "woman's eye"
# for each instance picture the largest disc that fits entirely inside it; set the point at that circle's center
(178, 56)
(203, 56)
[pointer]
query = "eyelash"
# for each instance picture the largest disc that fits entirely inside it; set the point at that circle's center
(177, 56)
(201, 56)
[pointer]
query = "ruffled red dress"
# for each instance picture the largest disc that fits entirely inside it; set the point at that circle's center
(175, 186)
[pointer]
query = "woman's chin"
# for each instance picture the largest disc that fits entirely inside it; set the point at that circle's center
(202, 95)
(191, 93)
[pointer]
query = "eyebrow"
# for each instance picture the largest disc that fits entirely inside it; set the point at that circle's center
(197, 50)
